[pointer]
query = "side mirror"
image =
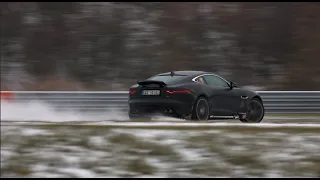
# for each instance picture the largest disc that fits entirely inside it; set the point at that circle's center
(232, 85)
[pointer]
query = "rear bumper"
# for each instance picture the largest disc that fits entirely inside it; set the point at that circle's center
(137, 107)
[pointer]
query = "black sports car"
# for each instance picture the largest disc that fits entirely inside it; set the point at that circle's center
(194, 95)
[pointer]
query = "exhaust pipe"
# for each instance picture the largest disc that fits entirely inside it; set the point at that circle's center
(167, 110)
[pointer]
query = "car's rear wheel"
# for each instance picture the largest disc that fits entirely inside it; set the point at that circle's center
(255, 112)
(201, 109)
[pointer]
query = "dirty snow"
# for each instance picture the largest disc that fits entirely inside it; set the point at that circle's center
(66, 153)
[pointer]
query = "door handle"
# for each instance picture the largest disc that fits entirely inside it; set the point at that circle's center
(244, 97)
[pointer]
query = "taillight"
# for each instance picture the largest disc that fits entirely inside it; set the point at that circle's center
(178, 91)
(132, 92)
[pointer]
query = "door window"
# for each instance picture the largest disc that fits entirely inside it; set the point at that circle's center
(215, 81)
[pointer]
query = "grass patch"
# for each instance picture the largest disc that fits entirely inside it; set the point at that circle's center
(204, 141)
(226, 151)
(211, 142)
(208, 168)
(301, 170)
(136, 145)
(243, 159)
(87, 164)
(313, 159)
(28, 142)
(224, 148)
(82, 141)
(16, 166)
(123, 138)
(140, 166)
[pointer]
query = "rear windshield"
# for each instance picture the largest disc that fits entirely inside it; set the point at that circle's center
(167, 78)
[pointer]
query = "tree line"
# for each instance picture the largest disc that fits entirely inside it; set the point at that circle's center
(105, 45)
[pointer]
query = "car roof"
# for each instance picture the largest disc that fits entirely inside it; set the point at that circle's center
(188, 73)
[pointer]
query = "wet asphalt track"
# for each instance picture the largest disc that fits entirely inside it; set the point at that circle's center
(267, 121)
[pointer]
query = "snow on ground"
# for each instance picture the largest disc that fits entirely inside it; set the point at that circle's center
(73, 151)
(107, 145)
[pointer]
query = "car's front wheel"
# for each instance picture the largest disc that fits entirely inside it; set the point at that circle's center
(201, 109)
(255, 112)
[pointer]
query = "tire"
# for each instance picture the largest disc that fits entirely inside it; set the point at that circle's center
(201, 109)
(254, 113)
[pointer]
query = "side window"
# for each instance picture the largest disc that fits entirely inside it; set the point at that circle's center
(215, 81)
(200, 80)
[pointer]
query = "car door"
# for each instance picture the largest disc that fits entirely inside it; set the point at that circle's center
(225, 101)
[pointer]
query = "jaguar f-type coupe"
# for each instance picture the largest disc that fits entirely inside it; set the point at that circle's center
(194, 95)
